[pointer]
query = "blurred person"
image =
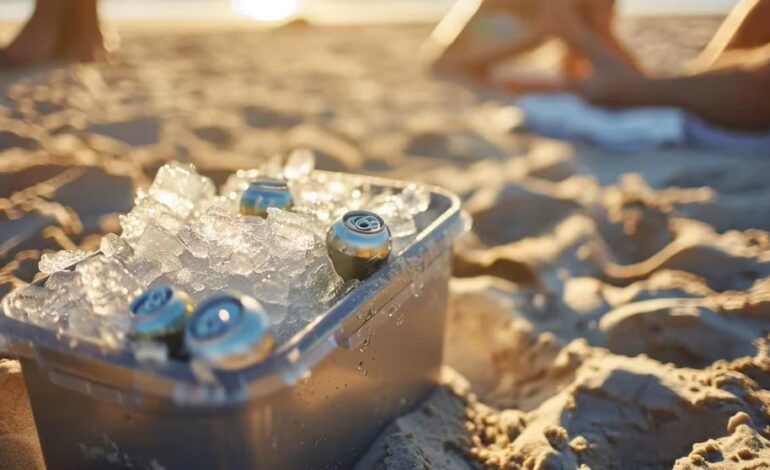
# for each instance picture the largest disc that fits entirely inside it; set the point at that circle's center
(730, 85)
(58, 29)
(477, 36)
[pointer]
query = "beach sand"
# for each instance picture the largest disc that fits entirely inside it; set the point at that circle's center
(608, 311)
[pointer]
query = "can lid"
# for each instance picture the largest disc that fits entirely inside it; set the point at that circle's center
(151, 300)
(268, 184)
(159, 311)
(216, 319)
(364, 222)
(230, 331)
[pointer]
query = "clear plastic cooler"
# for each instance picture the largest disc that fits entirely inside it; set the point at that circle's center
(317, 402)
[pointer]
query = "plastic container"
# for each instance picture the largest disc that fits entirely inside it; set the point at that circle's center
(317, 402)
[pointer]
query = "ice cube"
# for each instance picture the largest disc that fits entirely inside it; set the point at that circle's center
(116, 248)
(131, 225)
(83, 323)
(65, 282)
(391, 208)
(109, 287)
(239, 262)
(67, 294)
(272, 287)
(322, 279)
(184, 276)
(277, 313)
(184, 182)
(25, 303)
(237, 183)
(181, 207)
(193, 263)
(144, 270)
(315, 289)
(230, 202)
(159, 245)
(273, 168)
(300, 163)
(219, 226)
(148, 210)
(254, 240)
(110, 331)
(415, 198)
(52, 262)
(194, 240)
(291, 232)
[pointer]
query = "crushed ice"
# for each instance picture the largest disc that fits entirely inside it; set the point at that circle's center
(180, 232)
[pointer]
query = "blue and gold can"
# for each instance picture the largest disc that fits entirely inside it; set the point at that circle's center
(263, 194)
(160, 314)
(230, 332)
(358, 244)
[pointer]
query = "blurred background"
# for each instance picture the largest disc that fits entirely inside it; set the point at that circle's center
(328, 11)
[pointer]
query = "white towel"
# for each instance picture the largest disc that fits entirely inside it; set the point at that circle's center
(566, 116)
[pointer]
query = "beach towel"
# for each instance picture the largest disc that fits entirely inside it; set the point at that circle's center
(568, 117)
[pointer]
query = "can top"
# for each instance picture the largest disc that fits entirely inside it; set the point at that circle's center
(364, 222)
(268, 184)
(151, 300)
(230, 331)
(159, 311)
(215, 318)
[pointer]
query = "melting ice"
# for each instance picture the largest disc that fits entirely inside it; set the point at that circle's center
(181, 232)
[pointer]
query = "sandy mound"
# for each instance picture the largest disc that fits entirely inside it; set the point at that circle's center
(19, 447)
(600, 410)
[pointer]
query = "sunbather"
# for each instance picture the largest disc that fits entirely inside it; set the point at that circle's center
(729, 87)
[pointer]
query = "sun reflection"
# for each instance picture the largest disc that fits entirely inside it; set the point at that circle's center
(266, 10)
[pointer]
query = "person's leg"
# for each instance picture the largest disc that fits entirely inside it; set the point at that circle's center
(586, 27)
(81, 35)
(476, 34)
(474, 51)
(747, 27)
(600, 15)
(39, 38)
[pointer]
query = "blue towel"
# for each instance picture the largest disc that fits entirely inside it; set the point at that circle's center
(702, 134)
(566, 116)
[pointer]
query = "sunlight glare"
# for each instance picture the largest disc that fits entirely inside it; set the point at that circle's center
(266, 10)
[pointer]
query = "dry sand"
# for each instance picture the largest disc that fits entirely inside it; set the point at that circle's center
(608, 311)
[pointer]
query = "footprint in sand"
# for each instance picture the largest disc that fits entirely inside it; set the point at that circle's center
(136, 132)
(216, 135)
(265, 118)
(11, 140)
(686, 332)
